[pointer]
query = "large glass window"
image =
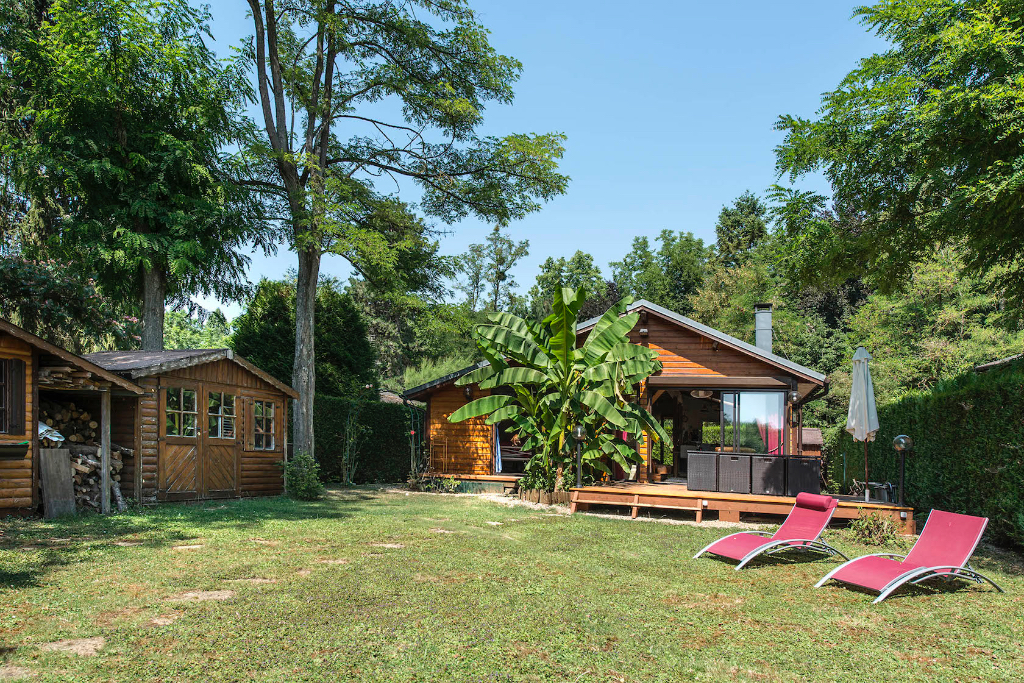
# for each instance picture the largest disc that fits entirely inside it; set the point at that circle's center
(263, 425)
(752, 421)
(181, 415)
(221, 414)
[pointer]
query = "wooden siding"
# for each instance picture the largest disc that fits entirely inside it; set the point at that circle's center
(123, 432)
(224, 372)
(684, 352)
(148, 435)
(262, 472)
(17, 476)
(470, 447)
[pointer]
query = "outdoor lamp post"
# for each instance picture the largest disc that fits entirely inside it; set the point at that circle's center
(903, 445)
(579, 433)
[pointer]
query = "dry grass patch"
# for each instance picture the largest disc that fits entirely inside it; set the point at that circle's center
(202, 596)
(253, 580)
(9, 672)
(391, 546)
(195, 546)
(83, 647)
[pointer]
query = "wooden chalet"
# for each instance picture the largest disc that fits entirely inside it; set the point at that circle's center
(209, 424)
(720, 399)
(30, 369)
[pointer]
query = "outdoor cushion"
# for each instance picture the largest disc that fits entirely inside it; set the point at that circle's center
(873, 572)
(815, 501)
(738, 545)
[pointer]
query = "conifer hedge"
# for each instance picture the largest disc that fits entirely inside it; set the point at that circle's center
(384, 457)
(969, 449)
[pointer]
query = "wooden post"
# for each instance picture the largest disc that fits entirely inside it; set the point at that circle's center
(105, 450)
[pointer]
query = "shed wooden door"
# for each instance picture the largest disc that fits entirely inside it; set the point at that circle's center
(179, 470)
(220, 441)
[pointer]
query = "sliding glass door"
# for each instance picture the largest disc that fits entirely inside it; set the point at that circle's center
(752, 422)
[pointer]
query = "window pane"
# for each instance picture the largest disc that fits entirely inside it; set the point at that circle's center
(257, 408)
(269, 410)
(228, 428)
(258, 441)
(214, 405)
(728, 420)
(760, 422)
(229, 404)
(188, 401)
(173, 399)
(188, 424)
(214, 426)
(173, 424)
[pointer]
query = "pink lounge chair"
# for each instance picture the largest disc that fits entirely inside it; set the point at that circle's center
(946, 544)
(801, 530)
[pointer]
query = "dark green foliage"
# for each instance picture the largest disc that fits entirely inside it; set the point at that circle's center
(265, 335)
(924, 141)
(740, 228)
(668, 277)
(969, 449)
(302, 477)
(384, 456)
(48, 300)
(184, 331)
(578, 272)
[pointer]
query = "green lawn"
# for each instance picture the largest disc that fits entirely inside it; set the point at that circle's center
(368, 585)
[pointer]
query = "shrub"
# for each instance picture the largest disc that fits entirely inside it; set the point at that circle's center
(969, 449)
(874, 529)
(302, 477)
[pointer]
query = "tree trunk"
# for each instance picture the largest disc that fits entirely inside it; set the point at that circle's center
(154, 294)
(304, 371)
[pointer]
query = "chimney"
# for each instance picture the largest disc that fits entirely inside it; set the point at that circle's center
(763, 327)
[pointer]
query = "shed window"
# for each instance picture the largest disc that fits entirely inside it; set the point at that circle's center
(221, 413)
(181, 413)
(263, 425)
(12, 396)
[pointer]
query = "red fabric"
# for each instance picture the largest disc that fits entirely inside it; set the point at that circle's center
(872, 572)
(814, 501)
(771, 434)
(947, 539)
(737, 547)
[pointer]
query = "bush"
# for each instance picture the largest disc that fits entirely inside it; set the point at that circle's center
(874, 529)
(384, 452)
(302, 477)
(969, 449)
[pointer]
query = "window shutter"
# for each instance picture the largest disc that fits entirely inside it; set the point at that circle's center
(250, 426)
(16, 397)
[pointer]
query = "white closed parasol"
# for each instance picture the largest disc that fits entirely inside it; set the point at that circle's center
(862, 419)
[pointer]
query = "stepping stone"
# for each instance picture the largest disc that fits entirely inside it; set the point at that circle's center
(86, 647)
(164, 620)
(393, 546)
(129, 544)
(263, 541)
(187, 547)
(496, 523)
(303, 572)
(252, 580)
(442, 531)
(202, 596)
(339, 560)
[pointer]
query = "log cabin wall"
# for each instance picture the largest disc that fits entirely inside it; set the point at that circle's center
(123, 420)
(147, 440)
(470, 443)
(18, 474)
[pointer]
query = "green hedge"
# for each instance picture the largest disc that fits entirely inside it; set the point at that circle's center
(384, 456)
(969, 449)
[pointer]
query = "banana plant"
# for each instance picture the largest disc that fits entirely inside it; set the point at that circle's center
(545, 383)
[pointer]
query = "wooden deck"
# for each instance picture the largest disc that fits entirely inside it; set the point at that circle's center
(729, 506)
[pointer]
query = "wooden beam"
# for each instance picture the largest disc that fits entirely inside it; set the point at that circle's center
(105, 451)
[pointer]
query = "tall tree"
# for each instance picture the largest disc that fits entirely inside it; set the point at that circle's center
(116, 141)
(925, 140)
(502, 253)
(579, 272)
(667, 277)
(472, 265)
(352, 91)
(740, 228)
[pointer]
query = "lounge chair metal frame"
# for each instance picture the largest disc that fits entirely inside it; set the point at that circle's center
(812, 544)
(918, 574)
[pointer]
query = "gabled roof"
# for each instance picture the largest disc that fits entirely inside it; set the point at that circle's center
(721, 337)
(68, 357)
(451, 377)
(144, 363)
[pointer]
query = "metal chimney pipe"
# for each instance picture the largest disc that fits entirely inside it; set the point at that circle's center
(763, 327)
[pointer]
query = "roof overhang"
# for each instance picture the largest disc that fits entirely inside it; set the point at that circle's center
(158, 367)
(68, 357)
(714, 382)
(732, 342)
(420, 392)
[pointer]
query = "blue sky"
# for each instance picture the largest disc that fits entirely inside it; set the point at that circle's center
(668, 108)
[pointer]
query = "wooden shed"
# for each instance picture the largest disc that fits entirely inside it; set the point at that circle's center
(209, 425)
(31, 367)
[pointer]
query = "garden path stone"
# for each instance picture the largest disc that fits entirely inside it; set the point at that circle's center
(201, 596)
(393, 546)
(9, 672)
(187, 547)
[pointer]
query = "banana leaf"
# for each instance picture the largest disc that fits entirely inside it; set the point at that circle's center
(482, 406)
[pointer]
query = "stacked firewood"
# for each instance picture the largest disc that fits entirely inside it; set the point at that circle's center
(75, 424)
(81, 438)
